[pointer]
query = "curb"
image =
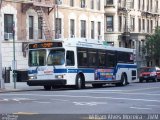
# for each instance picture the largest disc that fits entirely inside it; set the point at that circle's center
(17, 90)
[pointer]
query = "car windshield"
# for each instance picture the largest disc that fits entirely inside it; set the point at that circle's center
(56, 57)
(148, 70)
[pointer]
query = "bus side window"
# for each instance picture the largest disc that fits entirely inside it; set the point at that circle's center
(111, 59)
(70, 58)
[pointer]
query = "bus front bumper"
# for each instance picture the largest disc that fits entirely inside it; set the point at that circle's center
(46, 82)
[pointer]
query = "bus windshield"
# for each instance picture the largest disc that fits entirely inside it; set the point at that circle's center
(56, 57)
(37, 57)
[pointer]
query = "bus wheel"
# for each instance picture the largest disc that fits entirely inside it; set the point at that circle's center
(80, 82)
(47, 87)
(123, 80)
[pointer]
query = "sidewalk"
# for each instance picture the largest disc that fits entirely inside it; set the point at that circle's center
(20, 86)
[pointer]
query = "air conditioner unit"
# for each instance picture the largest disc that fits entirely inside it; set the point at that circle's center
(8, 36)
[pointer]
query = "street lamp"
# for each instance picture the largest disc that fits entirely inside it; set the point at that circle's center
(14, 57)
(1, 79)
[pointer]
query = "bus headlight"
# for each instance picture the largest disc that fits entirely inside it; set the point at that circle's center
(59, 76)
(32, 77)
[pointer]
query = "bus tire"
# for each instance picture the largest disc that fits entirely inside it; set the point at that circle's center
(123, 80)
(47, 87)
(80, 83)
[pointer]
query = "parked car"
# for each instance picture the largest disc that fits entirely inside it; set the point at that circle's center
(149, 73)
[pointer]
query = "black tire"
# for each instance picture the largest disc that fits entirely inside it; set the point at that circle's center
(80, 83)
(140, 80)
(155, 80)
(47, 87)
(123, 80)
(98, 85)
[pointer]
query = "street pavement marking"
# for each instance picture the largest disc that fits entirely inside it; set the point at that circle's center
(141, 108)
(42, 102)
(60, 100)
(89, 103)
(24, 113)
(93, 97)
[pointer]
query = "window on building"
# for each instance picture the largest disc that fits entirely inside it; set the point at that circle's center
(110, 2)
(139, 24)
(71, 3)
(58, 28)
(156, 7)
(151, 5)
(40, 22)
(31, 27)
(98, 5)
(139, 4)
(99, 28)
(143, 25)
(72, 27)
(157, 23)
(8, 25)
(92, 29)
(143, 5)
(120, 23)
(148, 26)
(92, 4)
(109, 23)
(132, 4)
(147, 5)
(83, 3)
(151, 26)
(132, 24)
(83, 28)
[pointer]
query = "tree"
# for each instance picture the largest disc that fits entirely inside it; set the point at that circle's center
(152, 47)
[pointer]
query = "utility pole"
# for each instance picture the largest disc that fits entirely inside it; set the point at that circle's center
(1, 79)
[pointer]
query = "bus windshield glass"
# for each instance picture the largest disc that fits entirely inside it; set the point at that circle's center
(56, 57)
(37, 57)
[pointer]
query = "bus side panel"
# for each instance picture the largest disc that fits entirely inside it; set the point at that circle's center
(128, 69)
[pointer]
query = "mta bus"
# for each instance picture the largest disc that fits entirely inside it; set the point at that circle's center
(77, 62)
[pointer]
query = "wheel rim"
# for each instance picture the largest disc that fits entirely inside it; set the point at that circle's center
(124, 80)
(79, 83)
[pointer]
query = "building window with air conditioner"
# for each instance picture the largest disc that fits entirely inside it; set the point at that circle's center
(109, 23)
(72, 28)
(8, 26)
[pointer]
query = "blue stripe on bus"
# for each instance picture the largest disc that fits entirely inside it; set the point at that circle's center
(73, 70)
(85, 70)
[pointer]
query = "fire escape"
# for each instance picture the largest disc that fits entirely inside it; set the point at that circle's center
(43, 9)
(124, 8)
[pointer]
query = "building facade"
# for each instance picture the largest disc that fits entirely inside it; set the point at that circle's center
(25, 21)
(128, 22)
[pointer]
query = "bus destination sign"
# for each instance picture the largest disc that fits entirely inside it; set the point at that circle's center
(45, 45)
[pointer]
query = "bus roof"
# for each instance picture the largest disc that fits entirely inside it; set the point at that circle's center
(87, 43)
(92, 43)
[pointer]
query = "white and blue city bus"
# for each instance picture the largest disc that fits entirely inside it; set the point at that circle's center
(78, 61)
